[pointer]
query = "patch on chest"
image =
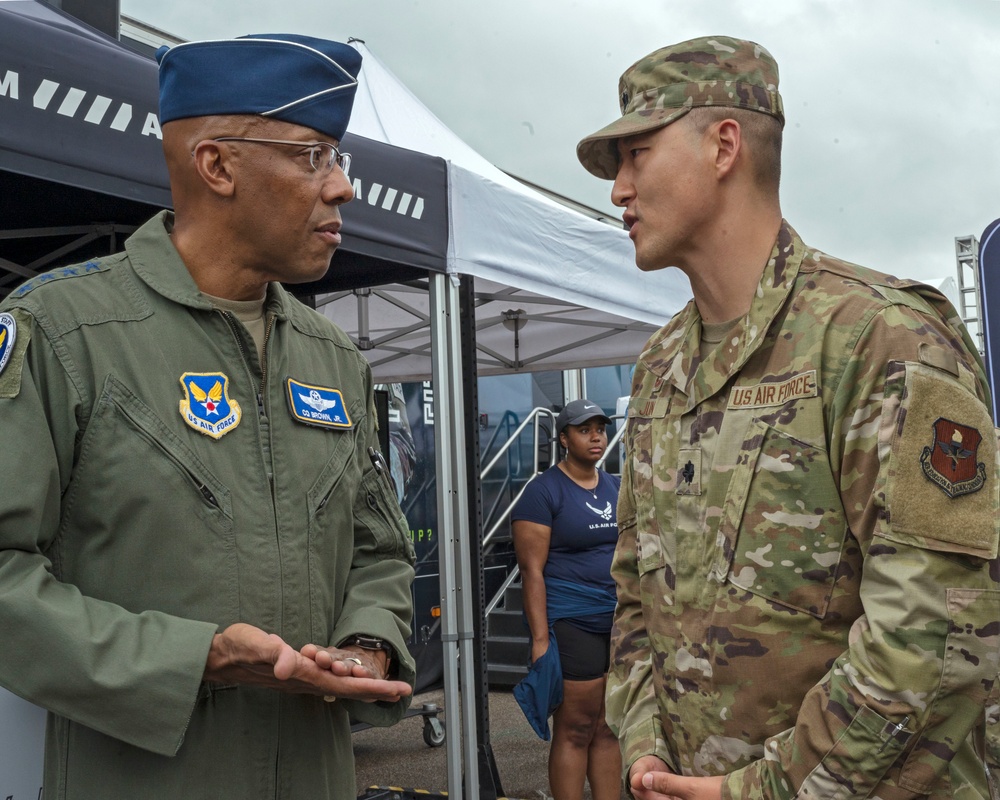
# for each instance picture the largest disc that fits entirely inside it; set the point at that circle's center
(762, 395)
(207, 406)
(317, 405)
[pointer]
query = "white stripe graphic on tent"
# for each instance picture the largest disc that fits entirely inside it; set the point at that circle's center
(122, 118)
(404, 203)
(418, 208)
(373, 193)
(98, 109)
(71, 102)
(44, 94)
(390, 197)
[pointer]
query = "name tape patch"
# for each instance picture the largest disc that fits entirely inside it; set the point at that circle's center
(774, 394)
(317, 405)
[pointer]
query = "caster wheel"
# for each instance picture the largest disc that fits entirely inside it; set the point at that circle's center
(433, 732)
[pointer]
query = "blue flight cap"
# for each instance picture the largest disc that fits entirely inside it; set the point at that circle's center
(285, 76)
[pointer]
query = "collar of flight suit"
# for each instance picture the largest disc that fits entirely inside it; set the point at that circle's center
(675, 358)
(157, 262)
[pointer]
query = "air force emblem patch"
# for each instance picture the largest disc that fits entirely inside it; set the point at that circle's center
(8, 336)
(317, 405)
(950, 461)
(206, 405)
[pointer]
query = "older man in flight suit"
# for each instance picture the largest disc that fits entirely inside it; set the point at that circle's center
(203, 571)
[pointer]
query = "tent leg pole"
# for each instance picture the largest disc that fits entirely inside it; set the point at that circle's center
(490, 787)
(449, 459)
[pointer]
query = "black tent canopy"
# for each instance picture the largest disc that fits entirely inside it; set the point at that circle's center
(81, 162)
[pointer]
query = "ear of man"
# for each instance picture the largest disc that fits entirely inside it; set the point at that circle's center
(727, 139)
(214, 165)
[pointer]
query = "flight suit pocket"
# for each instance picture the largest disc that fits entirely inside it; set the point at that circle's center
(151, 525)
(783, 527)
(377, 511)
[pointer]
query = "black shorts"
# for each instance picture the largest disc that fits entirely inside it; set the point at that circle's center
(584, 656)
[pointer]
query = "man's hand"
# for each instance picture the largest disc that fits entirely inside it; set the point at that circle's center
(244, 654)
(651, 779)
(358, 664)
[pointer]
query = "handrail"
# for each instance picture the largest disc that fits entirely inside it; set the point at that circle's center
(506, 513)
(613, 441)
(511, 577)
(532, 417)
(504, 423)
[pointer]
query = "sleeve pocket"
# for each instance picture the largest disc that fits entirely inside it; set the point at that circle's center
(377, 511)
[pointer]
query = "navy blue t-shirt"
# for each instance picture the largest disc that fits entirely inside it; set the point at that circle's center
(584, 528)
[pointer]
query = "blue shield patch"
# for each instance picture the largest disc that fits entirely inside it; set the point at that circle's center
(8, 335)
(206, 405)
(317, 405)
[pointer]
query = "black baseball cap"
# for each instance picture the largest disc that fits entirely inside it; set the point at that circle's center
(576, 412)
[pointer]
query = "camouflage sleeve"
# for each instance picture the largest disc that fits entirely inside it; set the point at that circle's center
(632, 710)
(916, 455)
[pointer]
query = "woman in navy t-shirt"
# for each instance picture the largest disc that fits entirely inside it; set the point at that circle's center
(565, 530)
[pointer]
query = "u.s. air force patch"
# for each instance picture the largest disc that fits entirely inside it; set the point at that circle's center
(206, 405)
(8, 336)
(950, 462)
(317, 405)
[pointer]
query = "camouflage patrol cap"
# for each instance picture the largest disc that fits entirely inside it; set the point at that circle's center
(669, 82)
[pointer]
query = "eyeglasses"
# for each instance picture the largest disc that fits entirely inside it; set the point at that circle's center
(322, 155)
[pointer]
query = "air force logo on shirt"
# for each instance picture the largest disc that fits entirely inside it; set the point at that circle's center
(317, 405)
(206, 405)
(8, 335)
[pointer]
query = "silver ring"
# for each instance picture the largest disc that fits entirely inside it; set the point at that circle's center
(355, 660)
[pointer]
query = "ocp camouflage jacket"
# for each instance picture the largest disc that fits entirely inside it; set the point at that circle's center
(807, 564)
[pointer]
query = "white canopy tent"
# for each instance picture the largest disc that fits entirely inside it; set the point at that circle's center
(553, 288)
(584, 303)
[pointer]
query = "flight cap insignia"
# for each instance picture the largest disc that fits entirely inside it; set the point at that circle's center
(317, 405)
(206, 405)
(950, 462)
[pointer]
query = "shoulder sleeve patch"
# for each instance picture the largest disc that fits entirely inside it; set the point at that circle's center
(942, 486)
(15, 333)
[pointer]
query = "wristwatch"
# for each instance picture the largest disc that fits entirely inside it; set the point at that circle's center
(366, 642)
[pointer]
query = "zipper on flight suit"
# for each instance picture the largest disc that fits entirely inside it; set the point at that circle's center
(233, 322)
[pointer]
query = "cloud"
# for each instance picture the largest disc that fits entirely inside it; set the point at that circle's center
(891, 120)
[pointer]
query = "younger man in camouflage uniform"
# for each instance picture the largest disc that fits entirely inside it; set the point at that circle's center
(807, 565)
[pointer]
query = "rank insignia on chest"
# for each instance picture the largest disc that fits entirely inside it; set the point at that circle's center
(689, 471)
(8, 335)
(317, 405)
(950, 462)
(206, 405)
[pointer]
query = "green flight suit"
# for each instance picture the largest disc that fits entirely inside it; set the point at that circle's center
(807, 564)
(163, 484)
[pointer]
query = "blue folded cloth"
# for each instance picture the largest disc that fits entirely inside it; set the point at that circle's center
(540, 692)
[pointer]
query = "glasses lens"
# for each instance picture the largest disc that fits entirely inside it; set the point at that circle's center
(344, 162)
(321, 157)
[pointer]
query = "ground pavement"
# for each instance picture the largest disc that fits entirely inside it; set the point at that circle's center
(398, 756)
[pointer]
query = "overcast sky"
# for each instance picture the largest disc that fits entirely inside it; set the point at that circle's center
(892, 106)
